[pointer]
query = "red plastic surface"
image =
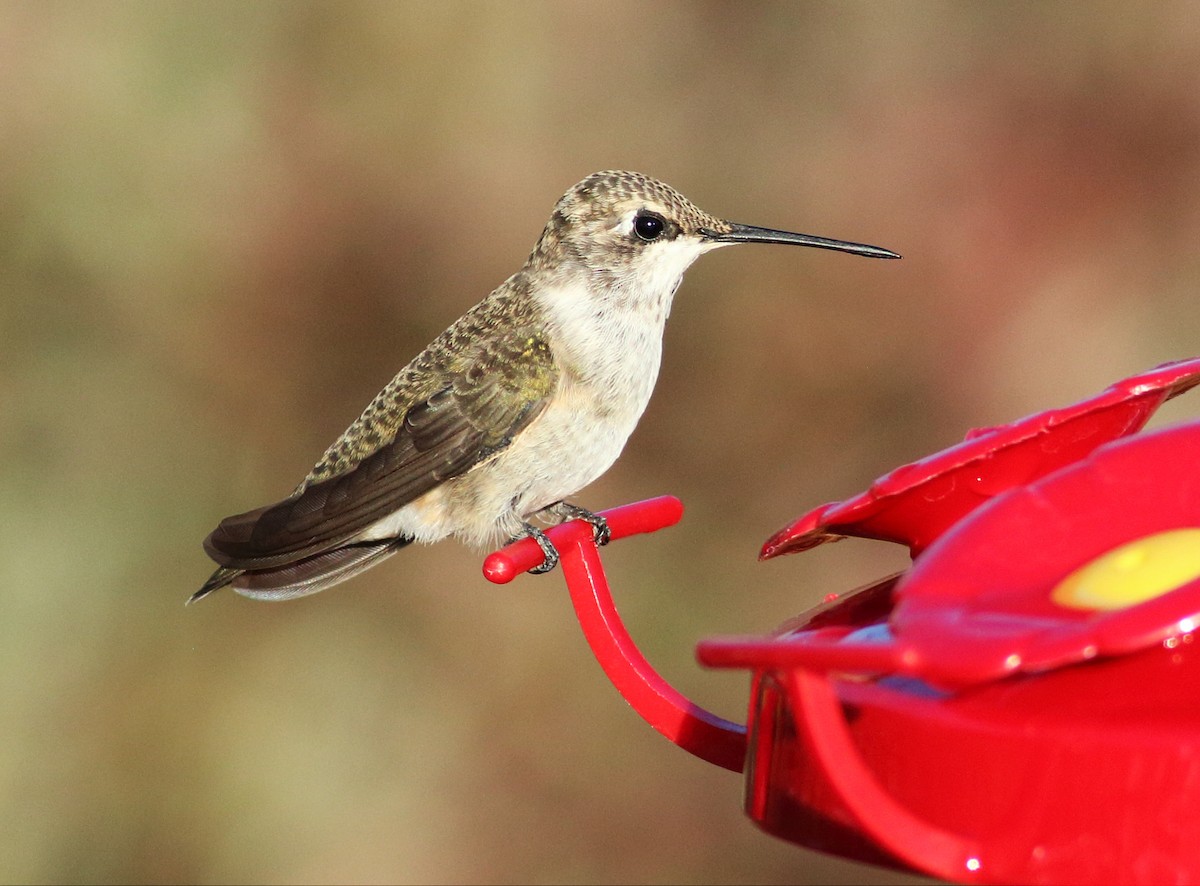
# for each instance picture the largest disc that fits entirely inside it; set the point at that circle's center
(1085, 774)
(694, 729)
(917, 502)
(960, 718)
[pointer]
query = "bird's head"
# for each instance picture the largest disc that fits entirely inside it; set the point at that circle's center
(627, 232)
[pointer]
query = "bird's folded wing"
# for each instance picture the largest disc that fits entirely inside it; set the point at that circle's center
(499, 390)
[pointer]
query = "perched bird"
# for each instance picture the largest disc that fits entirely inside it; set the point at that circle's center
(523, 401)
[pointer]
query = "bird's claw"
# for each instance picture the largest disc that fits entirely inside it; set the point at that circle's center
(549, 552)
(600, 531)
(601, 534)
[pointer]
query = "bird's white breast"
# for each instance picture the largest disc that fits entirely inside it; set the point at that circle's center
(608, 352)
(608, 343)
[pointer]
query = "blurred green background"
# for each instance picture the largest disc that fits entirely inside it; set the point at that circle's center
(224, 226)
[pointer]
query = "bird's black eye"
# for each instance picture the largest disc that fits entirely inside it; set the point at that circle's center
(648, 226)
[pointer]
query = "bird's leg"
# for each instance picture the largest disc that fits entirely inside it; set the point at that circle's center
(549, 552)
(566, 511)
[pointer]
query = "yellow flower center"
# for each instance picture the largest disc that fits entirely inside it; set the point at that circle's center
(1133, 573)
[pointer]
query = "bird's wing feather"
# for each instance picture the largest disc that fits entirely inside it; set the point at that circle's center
(503, 386)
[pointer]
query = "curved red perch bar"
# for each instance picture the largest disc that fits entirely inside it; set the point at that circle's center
(694, 729)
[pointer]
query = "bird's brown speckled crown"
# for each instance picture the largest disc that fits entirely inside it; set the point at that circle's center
(604, 189)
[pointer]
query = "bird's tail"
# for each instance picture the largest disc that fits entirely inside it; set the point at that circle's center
(219, 579)
(303, 577)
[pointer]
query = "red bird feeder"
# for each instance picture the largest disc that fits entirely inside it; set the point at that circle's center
(1019, 705)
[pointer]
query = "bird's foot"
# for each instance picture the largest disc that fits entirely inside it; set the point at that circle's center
(567, 511)
(563, 511)
(549, 552)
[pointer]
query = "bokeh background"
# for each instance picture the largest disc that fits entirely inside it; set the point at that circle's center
(224, 226)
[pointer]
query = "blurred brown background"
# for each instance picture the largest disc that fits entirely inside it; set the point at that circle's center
(224, 226)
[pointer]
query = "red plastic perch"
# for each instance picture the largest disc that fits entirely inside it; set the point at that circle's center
(694, 729)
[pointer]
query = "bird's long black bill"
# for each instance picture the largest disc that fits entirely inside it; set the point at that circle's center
(750, 234)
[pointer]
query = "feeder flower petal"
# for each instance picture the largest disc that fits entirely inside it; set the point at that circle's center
(1101, 558)
(914, 504)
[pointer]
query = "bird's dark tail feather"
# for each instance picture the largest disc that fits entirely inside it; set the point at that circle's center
(304, 577)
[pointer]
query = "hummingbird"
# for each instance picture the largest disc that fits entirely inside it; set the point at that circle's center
(523, 401)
